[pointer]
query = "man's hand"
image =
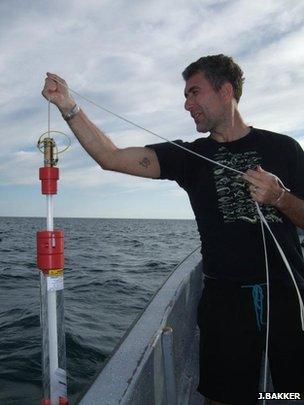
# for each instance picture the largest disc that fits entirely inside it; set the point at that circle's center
(265, 187)
(56, 90)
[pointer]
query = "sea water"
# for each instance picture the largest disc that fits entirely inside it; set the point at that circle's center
(113, 267)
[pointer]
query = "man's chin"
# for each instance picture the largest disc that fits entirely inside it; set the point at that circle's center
(202, 129)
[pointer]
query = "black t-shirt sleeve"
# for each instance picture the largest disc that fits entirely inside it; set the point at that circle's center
(171, 159)
(297, 164)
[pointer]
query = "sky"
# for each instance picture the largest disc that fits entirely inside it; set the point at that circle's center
(128, 57)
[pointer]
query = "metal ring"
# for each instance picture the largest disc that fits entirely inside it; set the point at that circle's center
(51, 132)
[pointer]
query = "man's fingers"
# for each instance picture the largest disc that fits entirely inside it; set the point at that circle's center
(253, 180)
(54, 83)
(56, 78)
(50, 84)
(255, 174)
(259, 169)
(55, 89)
(254, 189)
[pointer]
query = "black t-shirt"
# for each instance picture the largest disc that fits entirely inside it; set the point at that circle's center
(226, 216)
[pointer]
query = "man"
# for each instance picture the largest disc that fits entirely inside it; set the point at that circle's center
(231, 313)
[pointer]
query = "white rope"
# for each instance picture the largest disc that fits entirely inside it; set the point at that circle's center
(268, 307)
(286, 264)
(261, 216)
(49, 117)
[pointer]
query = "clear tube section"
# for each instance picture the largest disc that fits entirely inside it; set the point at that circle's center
(53, 341)
(49, 215)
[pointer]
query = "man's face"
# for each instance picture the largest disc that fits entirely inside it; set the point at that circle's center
(205, 105)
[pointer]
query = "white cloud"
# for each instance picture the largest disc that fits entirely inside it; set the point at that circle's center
(129, 59)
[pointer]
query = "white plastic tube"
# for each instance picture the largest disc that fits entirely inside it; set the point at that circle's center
(52, 323)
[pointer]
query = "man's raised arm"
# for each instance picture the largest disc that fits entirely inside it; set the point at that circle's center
(138, 161)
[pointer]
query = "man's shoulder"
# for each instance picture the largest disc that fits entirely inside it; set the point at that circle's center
(265, 134)
(177, 143)
(198, 145)
(201, 141)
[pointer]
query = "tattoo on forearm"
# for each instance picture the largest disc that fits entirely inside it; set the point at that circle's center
(145, 162)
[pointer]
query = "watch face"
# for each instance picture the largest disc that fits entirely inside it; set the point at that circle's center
(71, 113)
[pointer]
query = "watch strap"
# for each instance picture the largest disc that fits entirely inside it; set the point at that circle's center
(70, 114)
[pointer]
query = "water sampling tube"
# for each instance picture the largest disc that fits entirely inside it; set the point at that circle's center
(50, 260)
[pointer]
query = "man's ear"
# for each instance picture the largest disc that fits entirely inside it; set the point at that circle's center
(227, 91)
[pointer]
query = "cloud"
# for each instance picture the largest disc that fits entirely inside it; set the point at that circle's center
(129, 59)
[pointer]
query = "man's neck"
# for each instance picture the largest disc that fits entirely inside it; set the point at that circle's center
(231, 129)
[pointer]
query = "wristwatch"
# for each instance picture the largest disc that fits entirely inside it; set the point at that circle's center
(70, 114)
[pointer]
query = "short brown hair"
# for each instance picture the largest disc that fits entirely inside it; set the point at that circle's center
(218, 69)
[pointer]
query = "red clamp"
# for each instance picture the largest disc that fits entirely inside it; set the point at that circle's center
(49, 177)
(50, 254)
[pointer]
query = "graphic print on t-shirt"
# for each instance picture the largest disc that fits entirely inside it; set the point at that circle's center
(234, 200)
